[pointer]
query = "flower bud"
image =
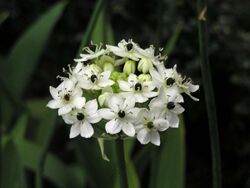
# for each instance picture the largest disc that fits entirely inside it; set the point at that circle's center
(102, 99)
(145, 65)
(129, 67)
(144, 77)
(108, 66)
(96, 67)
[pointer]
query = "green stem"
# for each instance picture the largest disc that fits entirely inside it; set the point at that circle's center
(209, 95)
(121, 166)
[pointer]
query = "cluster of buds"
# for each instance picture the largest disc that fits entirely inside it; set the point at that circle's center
(121, 91)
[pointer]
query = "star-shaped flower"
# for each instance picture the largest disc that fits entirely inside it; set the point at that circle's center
(140, 90)
(93, 78)
(66, 97)
(81, 120)
(121, 113)
(149, 125)
(124, 49)
(167, 105)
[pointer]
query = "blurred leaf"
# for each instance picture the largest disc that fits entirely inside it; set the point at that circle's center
(102, 148)
(171, 166)
(24, 56)
(54, 170)
(11, 166)
(98, 34)
(18, 132)
(91, 26)
(88, 155)
(44, 119)
(133, 179)
(3, 16)
(172, 41)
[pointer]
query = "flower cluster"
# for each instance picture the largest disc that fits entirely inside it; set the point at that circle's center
(121, 91)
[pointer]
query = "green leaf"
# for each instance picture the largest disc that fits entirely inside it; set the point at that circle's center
(172, 41)
(54, 170)
(91, 26)
(133, 179)
(171, 166)
(11, 166)
(24, 56)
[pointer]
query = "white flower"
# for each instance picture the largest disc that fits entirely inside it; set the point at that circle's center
(81, 120)
(121, 113)
(93, 78)
(91, 54)
(167, 105)
(124, 49)
(141, 91)
(148, 125)
(167, 78)
(66, 97)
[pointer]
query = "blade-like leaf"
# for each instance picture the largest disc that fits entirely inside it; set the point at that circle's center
(171, 167)
(54, 170)
(11, 166)
(25, 54)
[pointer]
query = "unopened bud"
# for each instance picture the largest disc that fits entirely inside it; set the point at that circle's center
(129, 67)
(144, 77)
(144, 65)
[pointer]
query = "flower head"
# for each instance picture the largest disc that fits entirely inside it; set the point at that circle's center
(137, 96)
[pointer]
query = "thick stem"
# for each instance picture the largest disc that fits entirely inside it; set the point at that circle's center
(209, 95)
(121, 166)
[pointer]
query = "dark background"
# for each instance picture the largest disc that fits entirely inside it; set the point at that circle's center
(144, 21)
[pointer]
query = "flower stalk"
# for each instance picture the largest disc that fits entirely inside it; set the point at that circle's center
(121, 163)
(209, 95)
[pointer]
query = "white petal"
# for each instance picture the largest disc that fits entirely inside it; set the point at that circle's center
(192, 87)
(54, 104)
(104, 83)
(124, 86)
(74, 130)
(155, 138)
(150, 94)
(156, 76)
(129, 103)
(53, 92)
(106, 113)
(79, 102)
(115, 102)
(69, 118)
(91, 107)
(86, 129)
(69, 85)
(128, 129)
(85, 84)
(178, 109)
(94, 118)
(173, 120)
(113, 126)
(140, 98)
(64, 110)
(161, 124)
(143, 136)
(132, 79)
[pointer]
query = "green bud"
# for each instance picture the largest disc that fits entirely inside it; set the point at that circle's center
(129, 67)
(96, 67)
(144, 77)
(102, 98)
(145, 65)
(108, 66)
